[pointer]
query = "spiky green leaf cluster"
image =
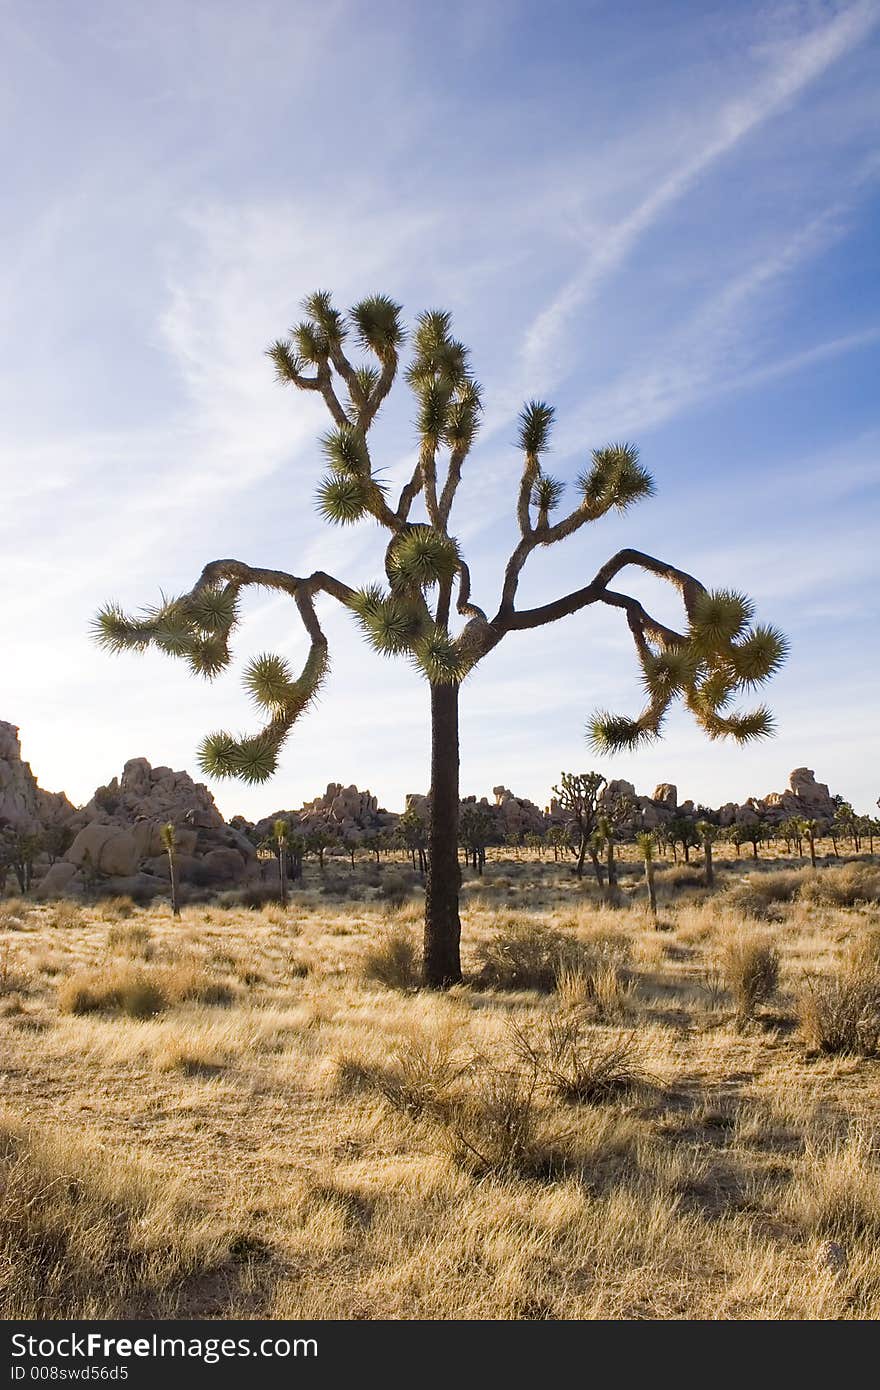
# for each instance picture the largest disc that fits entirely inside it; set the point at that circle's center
(391, 623)
(720, 656)
(438, 658)
(343, 498)
(422, 557)
(448, 398)
(547, 492)
(346, 451)
(377, 324)
(615, 733)
(196, 628)
(535, 423)
(615, 479)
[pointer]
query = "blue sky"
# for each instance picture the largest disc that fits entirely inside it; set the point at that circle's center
(662, 217)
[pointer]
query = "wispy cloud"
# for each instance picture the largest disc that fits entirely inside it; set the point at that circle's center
(803, 61)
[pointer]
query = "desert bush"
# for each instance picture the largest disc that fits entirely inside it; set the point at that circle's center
(190, 1056)
(396, 887)
(14, 914)
(393, 960)
(836, 1192)
(675, 877)
(495, 1126)
(121, 905)
(81, 1236)
(526, 955)
(12, 980)
(190, 983)
(131, 939)
(751, 973)
(254, 896)
(843, 887)
(420, 1076)
(136, 992)
(761, 894)
(279, 916)
(840, 1012)
(575, 1068)
(124, 989)
(66, 916)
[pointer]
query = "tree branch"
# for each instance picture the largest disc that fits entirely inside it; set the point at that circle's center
(508, 620)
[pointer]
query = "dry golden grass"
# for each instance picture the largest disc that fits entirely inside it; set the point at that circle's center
(599, 1130)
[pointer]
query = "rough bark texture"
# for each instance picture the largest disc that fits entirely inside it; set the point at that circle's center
(442, 960)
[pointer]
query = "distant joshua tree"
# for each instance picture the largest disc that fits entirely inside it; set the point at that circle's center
(578, 796)
(645, 842)
(716, 653)
(168, 836)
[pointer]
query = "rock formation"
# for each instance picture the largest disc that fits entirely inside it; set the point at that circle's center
(118, 843)
(23, 803)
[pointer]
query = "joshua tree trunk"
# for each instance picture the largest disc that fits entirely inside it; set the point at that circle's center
(442, 963)
(172, 876)
(282, 875)
(597, 868)
(652, 889)
(611, 862)
(710, 869)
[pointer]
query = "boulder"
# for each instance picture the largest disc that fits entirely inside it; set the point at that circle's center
(222, 866)
(666, 794)
(60, 880)
(108, 849)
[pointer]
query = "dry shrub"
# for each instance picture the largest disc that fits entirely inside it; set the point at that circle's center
(12, 980)
(676, 877)
(190, 983)
(420, 1076)
(134, 991)
(605, 992)
(254, 896)
(393, 961)
(751, 973)
(843, 887)
(578, 1069)
(396, 887)
(761, 894)
(123, 989)
(836, 1193)
(14, 914)
(66, 916)
(840, 1012)
(84, 1236)
(132, 939)
(191, 1056)
(495, 1127)
(526, 955)
(121, 905)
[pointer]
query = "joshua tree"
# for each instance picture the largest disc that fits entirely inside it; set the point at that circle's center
(281, 835)
(578, 796)
(414, 836)
(810, 828)
(168, 836)
(682, 831)
(708, 834)
(317, 841)
(475, 827)
(715, 653)
(19, 849)
(645, 842)
(557, 839)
